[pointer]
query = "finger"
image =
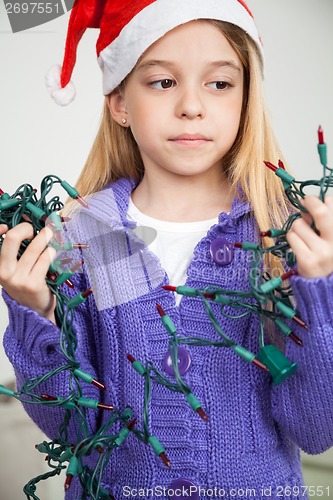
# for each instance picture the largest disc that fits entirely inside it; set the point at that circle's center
(329, 202)
(322, 216)
(35, 248)
(305, 214)
(42, 265)
(3, 229)
(298, 245)
(307, 218)
(307, 234)
(11, 245)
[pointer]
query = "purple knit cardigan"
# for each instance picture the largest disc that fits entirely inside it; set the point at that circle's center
(252, 438)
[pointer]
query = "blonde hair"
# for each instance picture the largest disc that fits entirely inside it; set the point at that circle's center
(115, 154)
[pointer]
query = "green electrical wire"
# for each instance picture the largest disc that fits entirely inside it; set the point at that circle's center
(268, 298)
(24, 206)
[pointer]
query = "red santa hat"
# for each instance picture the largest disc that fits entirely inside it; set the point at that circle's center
(128, 28)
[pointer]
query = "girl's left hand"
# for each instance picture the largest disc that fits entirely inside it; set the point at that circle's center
(314, 253)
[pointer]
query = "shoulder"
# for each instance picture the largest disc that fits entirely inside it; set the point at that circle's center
(108, 206)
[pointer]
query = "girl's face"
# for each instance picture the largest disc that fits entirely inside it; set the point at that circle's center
(183, 101)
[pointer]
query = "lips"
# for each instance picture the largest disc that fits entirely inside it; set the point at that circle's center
(190, 140)
(190, 137)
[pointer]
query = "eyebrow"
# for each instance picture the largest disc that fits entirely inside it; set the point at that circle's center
(170, 64)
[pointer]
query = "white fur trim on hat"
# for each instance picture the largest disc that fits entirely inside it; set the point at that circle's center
(62, 96)
(119, 58)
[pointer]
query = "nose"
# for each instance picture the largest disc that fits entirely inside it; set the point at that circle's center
(190, 102)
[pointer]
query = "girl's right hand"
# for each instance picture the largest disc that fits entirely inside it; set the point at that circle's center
(24, 279)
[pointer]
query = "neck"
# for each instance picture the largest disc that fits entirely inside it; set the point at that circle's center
(180, 198)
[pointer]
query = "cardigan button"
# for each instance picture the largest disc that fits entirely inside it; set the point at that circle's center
(184, 362)
(222, 251)
(183, 488)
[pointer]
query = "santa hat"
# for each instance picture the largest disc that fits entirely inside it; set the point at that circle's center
(128, 28)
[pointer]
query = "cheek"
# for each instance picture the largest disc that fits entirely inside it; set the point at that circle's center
(139, 112)
(234, 112)
(142, 126)
(229, 116)
(143, 120)
(236, 103)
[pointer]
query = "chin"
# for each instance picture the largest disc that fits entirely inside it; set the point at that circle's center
(188, 172)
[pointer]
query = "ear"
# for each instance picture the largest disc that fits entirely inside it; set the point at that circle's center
(117, 107)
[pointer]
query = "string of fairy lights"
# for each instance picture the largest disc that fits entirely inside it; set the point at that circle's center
(268, 297)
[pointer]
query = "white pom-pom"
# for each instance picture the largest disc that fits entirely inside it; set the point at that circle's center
(62, 96)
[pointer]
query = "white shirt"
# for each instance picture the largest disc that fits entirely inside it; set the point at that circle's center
(172, 242)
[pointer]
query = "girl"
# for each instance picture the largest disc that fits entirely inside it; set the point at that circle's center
(178, 161)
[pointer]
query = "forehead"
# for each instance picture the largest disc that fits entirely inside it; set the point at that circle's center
(199, 39)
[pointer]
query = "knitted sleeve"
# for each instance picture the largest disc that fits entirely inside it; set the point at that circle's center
(32, 344)
(303, 405)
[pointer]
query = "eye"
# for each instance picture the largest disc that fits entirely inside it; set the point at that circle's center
(219, 85)
(162, 84)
